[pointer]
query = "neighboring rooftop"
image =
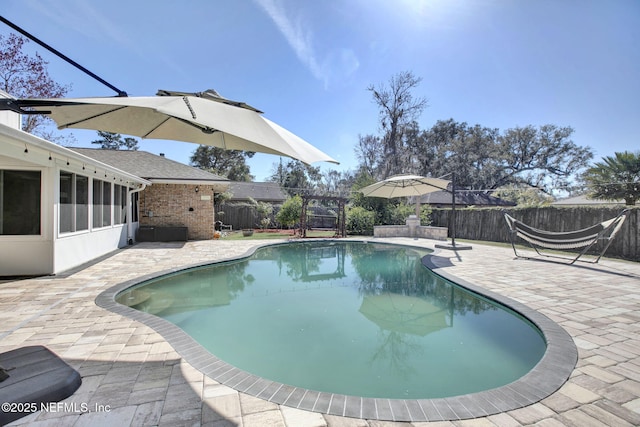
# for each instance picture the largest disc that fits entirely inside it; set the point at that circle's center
(584, 200)
(259, 191)
(149, 166)
(463, 198)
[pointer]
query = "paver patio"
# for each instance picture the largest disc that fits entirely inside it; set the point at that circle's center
(132, 376)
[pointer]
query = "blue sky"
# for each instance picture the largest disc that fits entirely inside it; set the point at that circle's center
(307, 63)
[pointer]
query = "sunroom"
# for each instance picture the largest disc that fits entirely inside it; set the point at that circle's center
(59, 209)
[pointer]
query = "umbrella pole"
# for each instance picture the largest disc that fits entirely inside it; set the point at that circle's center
(453, 209)
(453, 245)
(62, 56)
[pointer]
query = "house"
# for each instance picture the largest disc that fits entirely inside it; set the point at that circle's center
(58, 208)
(464, 198)
(180, 195)
(61, 208)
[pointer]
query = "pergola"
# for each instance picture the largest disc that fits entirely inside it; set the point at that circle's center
(341, 220)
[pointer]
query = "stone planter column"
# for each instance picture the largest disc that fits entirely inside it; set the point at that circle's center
(413, 222)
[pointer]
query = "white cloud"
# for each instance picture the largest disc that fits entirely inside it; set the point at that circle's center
(338, 63)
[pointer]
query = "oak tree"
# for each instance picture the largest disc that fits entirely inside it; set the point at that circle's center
(231, 164)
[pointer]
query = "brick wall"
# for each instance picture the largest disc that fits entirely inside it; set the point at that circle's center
(179, 205)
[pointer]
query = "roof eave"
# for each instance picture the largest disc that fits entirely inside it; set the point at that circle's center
(49, 150)
(188, 181)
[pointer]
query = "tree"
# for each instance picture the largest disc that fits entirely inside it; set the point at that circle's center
(544, 157)
(398, 109)
(336, 183)
(369, 153)
(449, 146)
(295, 177)
(523, 195)
(615, 177)
(290, 212)
(26, 76)
(231, 164)
(483, 158)
(264, 210)
(486, 159)
(114, 141)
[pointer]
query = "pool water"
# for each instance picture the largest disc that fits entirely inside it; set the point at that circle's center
(353, 318)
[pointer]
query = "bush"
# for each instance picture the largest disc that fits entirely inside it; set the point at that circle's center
(290, 212)
(360, 221)
(400, 213)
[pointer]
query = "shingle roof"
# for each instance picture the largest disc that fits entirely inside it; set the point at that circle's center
(259, 191)
(584, 200)
(148, 166)
(467, 198)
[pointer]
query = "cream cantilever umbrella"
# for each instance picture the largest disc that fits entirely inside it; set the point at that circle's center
(405, 186)
(203, 118)
(412, 186)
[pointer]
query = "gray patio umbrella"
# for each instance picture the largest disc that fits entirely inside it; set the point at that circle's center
(203, 118)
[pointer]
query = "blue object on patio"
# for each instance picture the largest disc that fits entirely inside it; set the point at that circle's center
(35, 376)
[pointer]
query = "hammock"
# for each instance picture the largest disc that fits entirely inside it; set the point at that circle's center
(584, 238)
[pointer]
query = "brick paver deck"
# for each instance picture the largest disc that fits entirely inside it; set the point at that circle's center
(132, 376)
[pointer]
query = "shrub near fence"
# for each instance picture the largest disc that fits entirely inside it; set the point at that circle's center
(489, 224)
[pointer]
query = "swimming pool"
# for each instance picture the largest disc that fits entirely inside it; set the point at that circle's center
(395, 326)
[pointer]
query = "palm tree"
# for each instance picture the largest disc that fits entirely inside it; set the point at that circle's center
(615, 178)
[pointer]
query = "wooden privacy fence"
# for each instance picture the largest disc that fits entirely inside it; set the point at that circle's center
(489, 224)
(244, 215)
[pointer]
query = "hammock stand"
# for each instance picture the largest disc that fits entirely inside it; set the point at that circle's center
(584, 238)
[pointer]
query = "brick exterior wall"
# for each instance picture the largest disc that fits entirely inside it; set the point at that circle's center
(179, 205)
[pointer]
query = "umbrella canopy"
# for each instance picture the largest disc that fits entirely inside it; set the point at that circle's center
(404, 314)
(203, 118)
(415, 185)
(404, 186)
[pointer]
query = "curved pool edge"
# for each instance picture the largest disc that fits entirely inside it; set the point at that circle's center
(547, 376)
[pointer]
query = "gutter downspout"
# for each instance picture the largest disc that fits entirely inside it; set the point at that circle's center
(130, 212)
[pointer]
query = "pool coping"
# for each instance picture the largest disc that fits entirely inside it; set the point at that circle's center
(549, 374)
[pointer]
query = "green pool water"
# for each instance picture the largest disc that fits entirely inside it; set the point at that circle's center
(354, 318)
